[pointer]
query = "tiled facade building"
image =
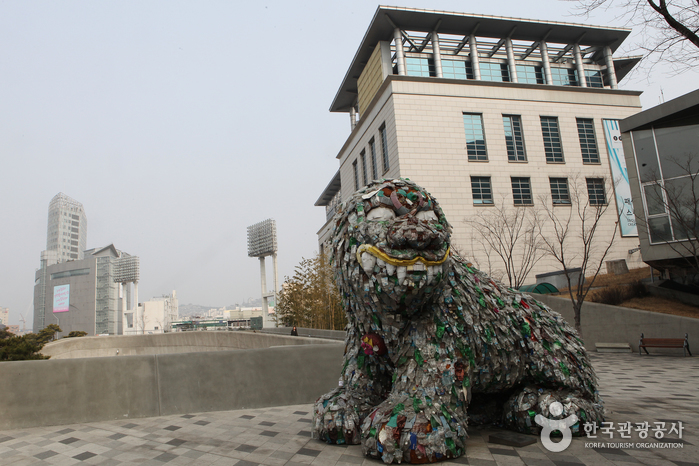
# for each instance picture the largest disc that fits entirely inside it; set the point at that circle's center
(485, 111)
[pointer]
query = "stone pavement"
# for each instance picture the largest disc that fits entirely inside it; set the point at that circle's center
(636, 389)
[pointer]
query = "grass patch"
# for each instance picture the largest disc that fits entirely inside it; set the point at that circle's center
(627, 290)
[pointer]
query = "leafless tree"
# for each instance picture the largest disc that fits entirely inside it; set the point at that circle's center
(668, 28)
(678, 199)
(576, 240)
(511, 236)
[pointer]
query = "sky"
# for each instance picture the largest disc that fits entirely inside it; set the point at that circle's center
(177, 124)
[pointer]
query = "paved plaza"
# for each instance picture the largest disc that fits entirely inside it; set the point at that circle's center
(636, 389)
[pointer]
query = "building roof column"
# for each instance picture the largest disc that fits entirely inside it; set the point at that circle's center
(436, 54)
(611, 74)
(582, 82)
(545, 61)
(511, 60)
(400, 56)
(475, 64)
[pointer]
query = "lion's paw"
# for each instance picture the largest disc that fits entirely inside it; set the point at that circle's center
(523, 408)
(335, 419)
(402, 430)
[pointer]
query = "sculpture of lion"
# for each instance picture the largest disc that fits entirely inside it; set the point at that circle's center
(430, 339)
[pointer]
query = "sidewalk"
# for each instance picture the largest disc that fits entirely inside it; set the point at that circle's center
(635, 389)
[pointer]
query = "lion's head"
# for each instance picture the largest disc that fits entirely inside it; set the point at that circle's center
(390, 244)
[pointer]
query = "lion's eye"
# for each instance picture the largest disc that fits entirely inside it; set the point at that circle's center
(381, 213)
(428, 215)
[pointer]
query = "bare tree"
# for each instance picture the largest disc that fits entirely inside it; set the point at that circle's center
(576, 240)
(511, 235)
(675, 205)
(668, 28)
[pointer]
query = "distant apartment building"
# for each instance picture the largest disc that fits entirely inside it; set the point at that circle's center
(87, 295)
(154, 316)
(4, 316)
(485, 112)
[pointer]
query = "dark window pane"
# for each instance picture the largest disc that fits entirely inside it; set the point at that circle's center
(654, 199)
(659, 229)
(552, 139)
(480, 187)
(514, 139)
(521, 191)
(559, 190)
(588, 144)
(595, 191)
(677, 146)
(647, 159)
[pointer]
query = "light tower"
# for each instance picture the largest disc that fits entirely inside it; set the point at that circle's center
(127, 270)
(262, 242)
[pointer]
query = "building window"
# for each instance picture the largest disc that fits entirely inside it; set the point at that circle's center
(482, 192)
(356, 175)
(559, 191)
(419, 66)
(588, 144)
(494, 72)
(457, 69)
(593, 78)
(563, 77)
(362, 157)
(374, 168)
(530, 74)
(522, 191)
(384, 147)
(552, 140)
(475, 139)
(514, 138)
(595, 191)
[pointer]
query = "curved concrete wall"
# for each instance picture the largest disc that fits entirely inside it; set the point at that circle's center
(68, 391)
(168, 343)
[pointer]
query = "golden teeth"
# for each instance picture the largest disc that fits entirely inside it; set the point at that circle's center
(379, 254)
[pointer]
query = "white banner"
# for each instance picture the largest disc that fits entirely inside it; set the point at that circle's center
(620, 176)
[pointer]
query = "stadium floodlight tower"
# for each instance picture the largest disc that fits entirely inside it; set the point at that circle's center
(262, 242)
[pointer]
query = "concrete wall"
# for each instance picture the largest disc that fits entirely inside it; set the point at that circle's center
(308, 332)
(68, 391)
(602, 323)
(168, 343)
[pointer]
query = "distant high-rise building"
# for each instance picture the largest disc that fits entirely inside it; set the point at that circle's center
(67, 228)
(66, 239)
(4, 316)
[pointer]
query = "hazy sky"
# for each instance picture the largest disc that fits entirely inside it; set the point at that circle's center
(178, 124)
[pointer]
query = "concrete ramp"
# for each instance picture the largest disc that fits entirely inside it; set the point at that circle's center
(169, 343)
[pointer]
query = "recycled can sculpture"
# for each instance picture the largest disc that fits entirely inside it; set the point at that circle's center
(432, 342)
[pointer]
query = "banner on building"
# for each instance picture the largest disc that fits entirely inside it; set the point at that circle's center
(61, 298)
(620, 178)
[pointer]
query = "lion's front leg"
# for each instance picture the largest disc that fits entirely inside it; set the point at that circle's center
(423, 420)
(364, 383)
